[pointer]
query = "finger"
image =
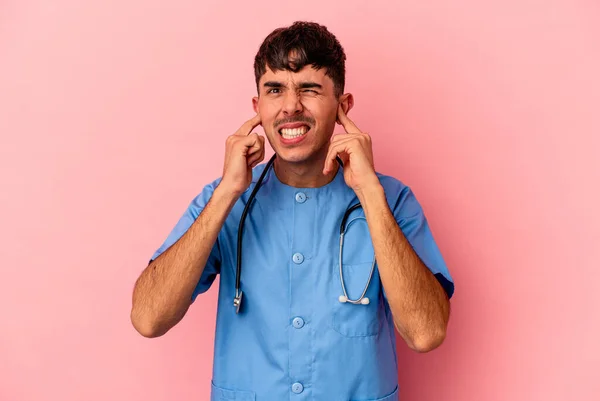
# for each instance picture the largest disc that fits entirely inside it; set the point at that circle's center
(342, 141)
(252, 144)
(257, 154)
(344, 157)
(342, 136)
(343, 148)
(257, 146)
(249, 125)
(348, 125)
(256, 159)
(251, 162)
(337, 137)
(334, 151)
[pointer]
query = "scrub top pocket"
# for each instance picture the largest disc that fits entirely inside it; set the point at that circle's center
(394, 396)
(221, 394)
(352, 320)
(357, 320)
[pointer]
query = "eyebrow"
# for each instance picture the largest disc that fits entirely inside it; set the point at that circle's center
(303, 85)
(309, 85)
(273, 84)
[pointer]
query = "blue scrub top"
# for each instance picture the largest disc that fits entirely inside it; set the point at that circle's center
(293, 339)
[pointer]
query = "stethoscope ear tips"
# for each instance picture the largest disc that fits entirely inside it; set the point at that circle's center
(343, 299)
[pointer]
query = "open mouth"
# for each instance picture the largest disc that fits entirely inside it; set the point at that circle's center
(292, 133)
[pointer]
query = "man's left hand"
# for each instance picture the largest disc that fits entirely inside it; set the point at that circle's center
(354, 148)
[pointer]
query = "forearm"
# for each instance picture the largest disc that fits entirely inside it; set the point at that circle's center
(163, 292)
(418, 302)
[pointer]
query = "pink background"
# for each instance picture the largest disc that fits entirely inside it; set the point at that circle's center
(113, 115)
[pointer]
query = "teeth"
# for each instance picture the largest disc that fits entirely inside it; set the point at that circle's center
(290, 133)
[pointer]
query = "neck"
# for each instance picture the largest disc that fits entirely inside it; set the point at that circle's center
(307, 174)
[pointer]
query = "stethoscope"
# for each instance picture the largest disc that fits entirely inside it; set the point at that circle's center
(237, 300)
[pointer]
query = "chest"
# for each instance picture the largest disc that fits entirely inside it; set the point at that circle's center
(294, 242)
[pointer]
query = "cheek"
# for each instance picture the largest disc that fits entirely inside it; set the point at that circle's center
(323, 112)
(268, 110)
(267, 113)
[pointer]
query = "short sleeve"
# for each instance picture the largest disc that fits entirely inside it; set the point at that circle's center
(413, 223)
(213, 264)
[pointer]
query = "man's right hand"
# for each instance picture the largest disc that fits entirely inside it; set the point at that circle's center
(243, 151)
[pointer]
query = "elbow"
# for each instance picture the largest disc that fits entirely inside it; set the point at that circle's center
(147, 331)
(146, 327)
(427, 342)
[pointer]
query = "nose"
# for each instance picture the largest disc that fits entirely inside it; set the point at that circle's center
(291, 104)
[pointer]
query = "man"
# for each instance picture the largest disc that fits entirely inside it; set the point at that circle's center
(300, 327)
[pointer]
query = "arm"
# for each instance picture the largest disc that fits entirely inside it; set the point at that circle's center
(163, 292)
(418, 302)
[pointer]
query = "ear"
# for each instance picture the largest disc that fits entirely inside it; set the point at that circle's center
(347, 102)
(255, 104)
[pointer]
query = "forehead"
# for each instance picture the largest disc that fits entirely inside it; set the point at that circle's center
(290, 78)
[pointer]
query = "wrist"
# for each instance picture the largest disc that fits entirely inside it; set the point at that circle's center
(371, 191)
(226, 194)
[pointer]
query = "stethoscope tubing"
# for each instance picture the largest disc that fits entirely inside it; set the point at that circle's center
(343, 298)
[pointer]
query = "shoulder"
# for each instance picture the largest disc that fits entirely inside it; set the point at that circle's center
(391, 184)
(202, 198)
(393, 187)
(401, 198)
(204, 195)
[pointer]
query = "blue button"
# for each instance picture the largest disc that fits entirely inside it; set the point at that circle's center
(298, 258)
(298, 322)
(297, 388)
(300, 197)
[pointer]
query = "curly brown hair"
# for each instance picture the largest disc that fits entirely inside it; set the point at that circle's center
(303, 43)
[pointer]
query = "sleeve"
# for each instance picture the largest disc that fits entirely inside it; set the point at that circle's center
(413, 223)
(213, 264)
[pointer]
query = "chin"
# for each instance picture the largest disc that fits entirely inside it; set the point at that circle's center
(291, 157)
(294, 155)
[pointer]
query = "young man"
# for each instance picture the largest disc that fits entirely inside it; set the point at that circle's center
(297, 326)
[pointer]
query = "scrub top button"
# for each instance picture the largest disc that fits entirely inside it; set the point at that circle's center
(297, 388)
(298, 258)
(300, 197)
(298, 322)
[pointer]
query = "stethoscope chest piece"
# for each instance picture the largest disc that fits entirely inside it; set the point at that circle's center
(237, 302)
